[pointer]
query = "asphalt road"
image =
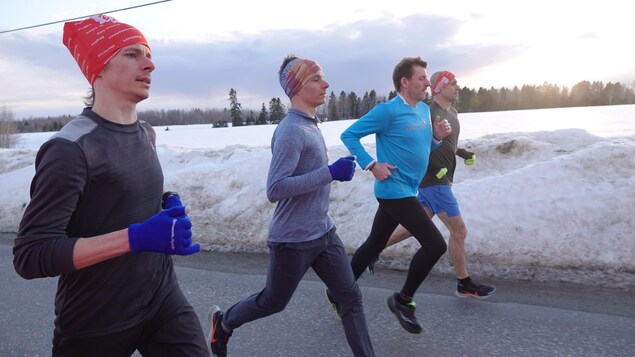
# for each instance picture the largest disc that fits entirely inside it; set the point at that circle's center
(521, 319)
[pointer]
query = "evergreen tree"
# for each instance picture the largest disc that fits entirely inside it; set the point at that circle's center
(220, 124)
(251, 119)
(343, 106)
(332, 111)
(262, 117)
(235, 108)
(321, 112)
(353, 106)
(277, 111)
(368, 102)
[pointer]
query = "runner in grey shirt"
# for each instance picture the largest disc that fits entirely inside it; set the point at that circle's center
(299, 180)
(301, 234)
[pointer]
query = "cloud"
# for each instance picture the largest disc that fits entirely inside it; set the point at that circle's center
(357, 57)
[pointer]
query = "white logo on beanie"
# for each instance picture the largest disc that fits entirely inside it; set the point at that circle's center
(102, 19)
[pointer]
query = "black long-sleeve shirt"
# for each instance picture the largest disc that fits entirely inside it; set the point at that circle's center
(94, 177)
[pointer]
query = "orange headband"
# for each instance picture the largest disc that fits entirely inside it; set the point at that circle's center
(296, 74)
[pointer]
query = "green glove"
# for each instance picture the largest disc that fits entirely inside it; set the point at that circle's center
(442, 173)
(471, 160)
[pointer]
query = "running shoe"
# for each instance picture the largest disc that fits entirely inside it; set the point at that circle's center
(336, 306)
(217, 337)
(474, 290)
(405, 314)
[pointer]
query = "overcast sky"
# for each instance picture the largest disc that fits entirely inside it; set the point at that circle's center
(202, 48)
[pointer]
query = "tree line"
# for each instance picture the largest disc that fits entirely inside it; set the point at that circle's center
(350, 106)
(547, 95)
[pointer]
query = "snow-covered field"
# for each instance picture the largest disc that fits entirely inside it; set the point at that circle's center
(551, 196)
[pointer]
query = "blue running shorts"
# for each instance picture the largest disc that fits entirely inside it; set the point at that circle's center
(438, 199)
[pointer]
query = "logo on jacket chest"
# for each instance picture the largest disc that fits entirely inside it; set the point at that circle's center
(418, 125)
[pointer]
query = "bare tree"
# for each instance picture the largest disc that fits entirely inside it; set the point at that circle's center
(7, 127)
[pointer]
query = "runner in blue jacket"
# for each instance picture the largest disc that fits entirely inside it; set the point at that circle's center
(404, 138)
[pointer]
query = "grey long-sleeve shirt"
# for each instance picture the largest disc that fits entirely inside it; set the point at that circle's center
(299, 180)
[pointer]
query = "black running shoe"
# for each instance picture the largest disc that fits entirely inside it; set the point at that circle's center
(336, 306)
(217, 337)
(405, 314)
(371, 266)
(474, 290)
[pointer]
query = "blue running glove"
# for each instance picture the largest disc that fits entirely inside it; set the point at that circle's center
(168, 232)
(343, 169)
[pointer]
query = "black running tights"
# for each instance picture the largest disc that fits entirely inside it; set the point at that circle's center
(410, 214)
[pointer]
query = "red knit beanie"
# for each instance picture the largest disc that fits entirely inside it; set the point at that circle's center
(96, 40)
(440, 80)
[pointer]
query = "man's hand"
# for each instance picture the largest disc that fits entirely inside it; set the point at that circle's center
(168, 232)
(441, 128)
(381, 170)
(343, 169)
(471, 160)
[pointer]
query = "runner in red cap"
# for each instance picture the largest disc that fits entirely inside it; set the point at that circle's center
(95, 219)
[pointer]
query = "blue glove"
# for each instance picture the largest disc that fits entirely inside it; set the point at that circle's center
(170, 199)
(343, 169)
(168, 232)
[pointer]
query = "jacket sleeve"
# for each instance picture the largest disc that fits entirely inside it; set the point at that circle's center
(464, 154)
(375, 121)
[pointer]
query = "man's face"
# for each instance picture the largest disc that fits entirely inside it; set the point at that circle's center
(417, 84)
(451, 91)
(127, 74)
(313, 93)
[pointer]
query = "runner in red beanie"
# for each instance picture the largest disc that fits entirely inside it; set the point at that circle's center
(96, 40)
(99, 220)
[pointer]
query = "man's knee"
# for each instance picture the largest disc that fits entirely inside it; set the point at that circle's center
(459, 234)
(351, 301)
(440, 247)
(274, 304)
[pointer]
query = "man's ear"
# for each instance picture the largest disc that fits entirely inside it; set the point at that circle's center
(404, 82)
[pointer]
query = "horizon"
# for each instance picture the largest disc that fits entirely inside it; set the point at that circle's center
(320, 108)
